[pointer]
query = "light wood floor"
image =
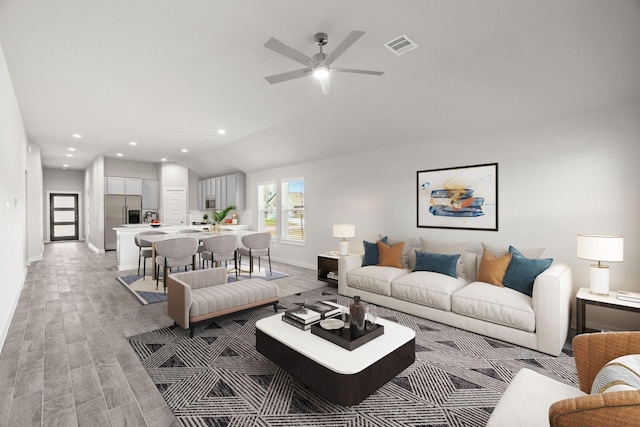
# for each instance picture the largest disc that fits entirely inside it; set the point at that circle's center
(66, 360)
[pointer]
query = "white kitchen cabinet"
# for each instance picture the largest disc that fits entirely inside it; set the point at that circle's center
(202, 195)
(227, 190)
(236, 190)
(211, 187)
(133, 186)
(115, 185)
(149, 194)
(221, 192)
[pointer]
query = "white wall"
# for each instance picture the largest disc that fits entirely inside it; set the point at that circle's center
(13, 189)
(66, 182)
(35, 232)
(556, 179)
(94, 204)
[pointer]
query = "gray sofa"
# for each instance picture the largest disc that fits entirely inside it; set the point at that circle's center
(539, 322)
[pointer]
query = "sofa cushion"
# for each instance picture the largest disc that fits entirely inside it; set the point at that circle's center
(406, 249)
(427, 288)
(527, 399)
(620, 374)
(522, 272)
(371, 253)
(503, 250)
(374, 278)
(492, 269)
(437, 263)
(494, 304)
(437, 247)
(390, 256)
(210, 299)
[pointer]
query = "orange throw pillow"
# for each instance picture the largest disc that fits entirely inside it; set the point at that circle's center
(390, 256)
(492, 269)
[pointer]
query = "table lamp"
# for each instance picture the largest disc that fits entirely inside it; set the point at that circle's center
(344, 232)
(600, 247)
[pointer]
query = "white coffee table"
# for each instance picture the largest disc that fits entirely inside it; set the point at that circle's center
(341, 376)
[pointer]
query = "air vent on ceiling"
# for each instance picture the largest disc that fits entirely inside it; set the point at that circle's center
(401, 45)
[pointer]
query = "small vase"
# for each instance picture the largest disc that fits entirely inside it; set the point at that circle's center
(357, 312)
(218, 228)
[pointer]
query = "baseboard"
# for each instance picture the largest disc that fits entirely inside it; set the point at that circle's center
(294, 263)
(4, 330)
(94, 249)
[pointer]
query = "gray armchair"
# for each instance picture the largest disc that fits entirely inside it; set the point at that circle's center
(176, 252)
(256, 245)
(221, 248)
(144, 249)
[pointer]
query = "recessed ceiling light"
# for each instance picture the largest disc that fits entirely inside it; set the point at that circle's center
(133, 143)
(184, 150)
(221, 131)
(76, 135)
(164, 159)
(69, 155)
(119, 154)
(64, 165)
(72, 149)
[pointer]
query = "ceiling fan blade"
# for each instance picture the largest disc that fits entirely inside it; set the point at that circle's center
(281, 48)
(289, 75)
(348, 70)
(325, 85)
(346, 43)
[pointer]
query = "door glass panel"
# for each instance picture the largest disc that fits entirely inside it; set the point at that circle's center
(64, 230)
(63, 202)
(64, 216)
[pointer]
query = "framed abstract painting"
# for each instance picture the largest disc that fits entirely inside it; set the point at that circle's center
(464, 197)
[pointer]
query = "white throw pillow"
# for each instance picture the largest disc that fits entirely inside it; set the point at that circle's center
(620, 374)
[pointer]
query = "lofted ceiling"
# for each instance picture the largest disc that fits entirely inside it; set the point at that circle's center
(166, 73)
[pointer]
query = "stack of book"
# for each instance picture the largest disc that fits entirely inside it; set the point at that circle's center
(629, 296)
(332, 275)
(311, 313)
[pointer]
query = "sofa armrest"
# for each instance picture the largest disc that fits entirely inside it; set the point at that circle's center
(178, 300)
(593, 351)
(346, 264)
(620, 408)
(551, 299)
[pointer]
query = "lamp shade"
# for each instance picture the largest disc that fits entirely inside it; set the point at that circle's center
(600, 247)
(344, 231)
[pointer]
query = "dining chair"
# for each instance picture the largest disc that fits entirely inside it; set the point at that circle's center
(144, 249)
(175, 252)
(221, 248)
(191, 231)
(255, 245)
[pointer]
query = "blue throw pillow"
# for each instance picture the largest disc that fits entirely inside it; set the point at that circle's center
(437, 263)
(522, 272)
(371, 254)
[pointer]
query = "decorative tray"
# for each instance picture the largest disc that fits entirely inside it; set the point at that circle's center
(342, 336)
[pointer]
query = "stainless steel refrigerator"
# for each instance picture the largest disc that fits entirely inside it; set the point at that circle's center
(119, 210)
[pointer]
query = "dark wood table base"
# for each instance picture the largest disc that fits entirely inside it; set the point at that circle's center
(338, 388)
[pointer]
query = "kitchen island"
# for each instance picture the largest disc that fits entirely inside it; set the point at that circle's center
(127, 251)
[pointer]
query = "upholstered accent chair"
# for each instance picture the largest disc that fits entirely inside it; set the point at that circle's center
(175, 252)
(532, 399)
(144, 249)
(256, 245)
(221, 248)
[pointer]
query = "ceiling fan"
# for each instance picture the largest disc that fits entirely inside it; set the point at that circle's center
(320, 65)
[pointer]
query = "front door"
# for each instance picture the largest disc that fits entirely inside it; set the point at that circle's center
(63, 222)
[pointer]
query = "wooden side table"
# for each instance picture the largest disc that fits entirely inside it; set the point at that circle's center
(585, 297)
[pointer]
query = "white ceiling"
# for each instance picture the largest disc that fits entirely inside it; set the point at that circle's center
(165, 73)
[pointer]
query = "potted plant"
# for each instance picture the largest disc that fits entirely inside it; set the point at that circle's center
(218, 216)
(205, 218)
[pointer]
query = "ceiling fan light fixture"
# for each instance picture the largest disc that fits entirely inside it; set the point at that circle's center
(321, 72)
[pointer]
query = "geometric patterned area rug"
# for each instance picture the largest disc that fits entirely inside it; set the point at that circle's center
(144, 289)
(218, 378)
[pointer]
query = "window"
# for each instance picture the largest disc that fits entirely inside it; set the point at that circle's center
(267, 208)
(292, 227)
